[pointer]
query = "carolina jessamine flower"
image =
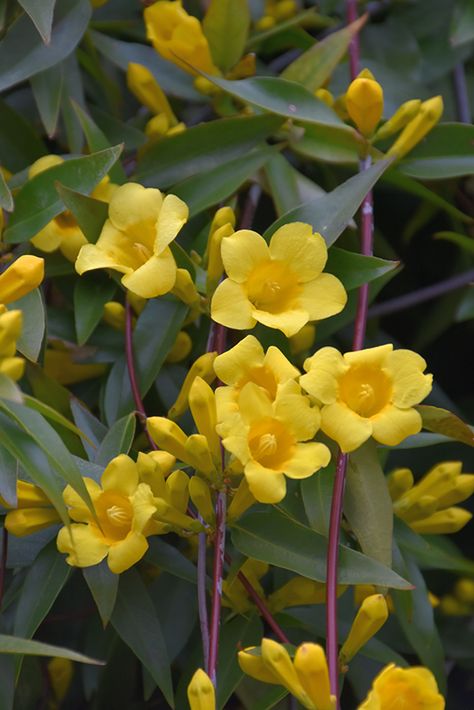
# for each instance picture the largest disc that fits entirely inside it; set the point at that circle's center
(299, 591)
(63, 232)
(267, 438)
(33, 510)
(181, 347)
(144, 86)
(404, 688)
(276, 11)
(10, 329)
(65, 366)
(20, 277)
(367, 393)
(135, 238)
(280, 285)
(415, 130)
(399, 120)
(201, 693)
(124, 512)
(178, 37)
(364, 102)
(371, 616)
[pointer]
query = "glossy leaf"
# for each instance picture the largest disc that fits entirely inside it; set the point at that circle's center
(25, 647)
(118, 440)
(96, 141)
(238, 633)
(442, 421)
(428, 551)
(53, 415)
(226, 26)
(355, 269)
(171, 560)
(328, 144)
(34, 324)
(87, 423)
(288, 186)
(47, 90)
(91, 293)
(103, 585)
(446, 152)
(89, 212)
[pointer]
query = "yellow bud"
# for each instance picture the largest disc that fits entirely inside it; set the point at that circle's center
(12, 367)
(285, 9)
(26, 521)
(21, 277)
(428, 116)
(303, 339)
(462, 488)
(371, 616)
(224, 215)
(215, 267)
(433, 600)
(415, 508)
(325, 96)
(464, 590)
(31, 496)
(60, 671)
(206, 87)
(114, 315)
(167, 514)
(201, 497)
(184, 287)
(201, 693)
(451, 606)
(277, 659)
(177, 493)
(10, 329)
(312, 669)
(252, 663)
(443, 522)
(202, 403)
(241, 501)
(44, 163)
(364, 103)
(137, 302)
(157, 127)
(265, 23)
(362, 591)
(181, 348)
(399, 120)
(150, 473)
(244, 68)
(144, 86)
(169, 436)
(200, 455)
(202, 367)
(298, 591)
(399, 482)
(164, 461)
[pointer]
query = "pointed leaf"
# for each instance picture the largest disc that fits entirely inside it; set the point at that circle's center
(93, 429)
(6, 199)
(118, 440)
(20, 145)
(316, 492)
(34, 324)
(89, 212)
(226, 26)
(96, 140)
(47, 90)
(355, 269)
(103, 585)
(446, 152)
(91, 293)
(12, 644)
(42, 16)
(442, 421)
(53, 415)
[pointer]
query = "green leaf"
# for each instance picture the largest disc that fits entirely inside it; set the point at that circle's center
(446, 152)
(89, 212)
(38, 202)
(355, 269)
(96, 140)
(465, 309)
(307, 17)
(170, 559)
(429, 553)
(462, 27)
(20, 145)
(9, 389)
(367, 504)
(221, 182)
(90, 426)
(135, 620)
(226, 26)
(118, 440)
(442, 421)
(314, 67)
(271, 537)
(103, 585)
(281, 97)
(6, 199)
(288, 186)
(316, 492)
(8, 473)
(118, 131)
(91, 293)
(52, 414)
(238, 633)
(329, 144)
(34, 324)
(12, 644)
(47, 89)
(22, 51)
(202, 148)
(73, 90)
(42, 16)
(330, 214)
(466, 243)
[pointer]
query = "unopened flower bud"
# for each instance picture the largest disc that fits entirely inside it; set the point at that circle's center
(114, 315)
(428, 116)
(201, 497)
(251, 662)
(181, 347)
(144, 86)
(371, 616)
(22, 276)
(312, 670)
(202, 367)
(325, 96)
(462, 487)
(303, 340)
(399, 120)
(364, 103)
(241, 501)
(177, 492)
(201, 693)
(442, 522)
(202, 403)
(215, 267)
(167, 514)
(184, 288)
(464, 590)
(277, 659)
(399, 482)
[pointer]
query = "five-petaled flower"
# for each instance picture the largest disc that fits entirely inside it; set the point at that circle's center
(404, 688)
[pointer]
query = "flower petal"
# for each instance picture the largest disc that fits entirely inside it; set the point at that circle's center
(231, 307)
(254, 403)
(125, 553)
(237, 444)
(307, 459)
(280, 365)
(173, 215)
(155, 278)
(49, 238)
(323, 297)
(393, 425)
(410, 385)
(296, 412)
(113, 250)
(241, 252)
(266, 485)
(324, 369)
(345, 426)
(134, 209)
(83, 546)
(289, 322)
(121, 475)
(304, 252)
(78, 509)
(370, 356)
(232, 365)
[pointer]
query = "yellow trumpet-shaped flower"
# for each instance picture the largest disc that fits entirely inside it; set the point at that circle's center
(33, 510)
(201, 693)
(428, 116)
(281, 285)
(234, 593)
(135, 240)
(399, 120)
(267, 439)
(200, 495)
(178, 37)
(367, 393)
(312, 669)
(10, 329)
(372, 615)
(202, 367)
(144, 86)
(124, 511)
(22, 276)
(364, 103)
(404, 689)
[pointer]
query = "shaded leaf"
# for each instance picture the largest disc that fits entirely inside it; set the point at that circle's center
(34, 324)
(90, 425)
(96, 141)
(118, 440)
(446, 152)
(329, 144)
(12, 644)
(355, 269)
(103, 585)
(47, 90)
(442, 421)
(466, 243)
(20, 145)
(170, 559)
(42, 16)
(316, 492)
(288, 186)
(89, 212)
(235, 634)
(91, 293)
(226, 26)
(428, 553)
(6, 199)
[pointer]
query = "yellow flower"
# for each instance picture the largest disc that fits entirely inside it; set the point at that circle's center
(178, 37)
(299, 591)
(144, 86)
(63, 232)
(399, 120)
(404, 689)
(367, 393)
(33, 510)
(203, 367)
(201, 693)
(428, 116)
(364, 103)
(135, 239)
(181, 347)
(234, 593)
(22, 276)
(266, 438)
(124, 510)
(372, 615)
(64, 365)
(280, 285)
(10, 329)
(114, 315)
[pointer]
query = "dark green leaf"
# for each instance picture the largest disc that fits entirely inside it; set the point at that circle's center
(446, 152)
(202, 148)
(12, 644)
(329, 144)
(96, 141)
(73, 90)
(89, 212)
(34, 324)
(8, 469)
(226, 26)
(103, 585)
(466, 243)
(118, 440)
(316, 492)
(462, 28)
(90, 425)
(53, 415)
(91, 293)
(288, 186)
(354, 269)
(42, 16)
(177, 611)
(170, 559)
(20, 145)
(235, 634)
(429, 554)
(442, 421)
(47, 89)
(6, 199)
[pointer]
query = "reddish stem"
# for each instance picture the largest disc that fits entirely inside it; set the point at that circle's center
(264, 612)
(218, 569)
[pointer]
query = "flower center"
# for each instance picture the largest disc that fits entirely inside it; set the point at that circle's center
(273, 287)
(365, 389)
(142, 251)
(270, 443)
(263, 377)
(115, 514)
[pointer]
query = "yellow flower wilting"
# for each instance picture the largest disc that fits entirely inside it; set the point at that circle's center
(428, 507)
(10, 329)
(404, 689)
(307, 677)
(201, 693)
(32, 512)
(178, 37)
(135, 240)
(234, 593)
(124, 511)
(267, 437)
(22, 276)
(63, 232)
(428, 116)
(364, 102)
(281, 285)
(367, 393)
(372, 615)
(144, 86)
(202, 367)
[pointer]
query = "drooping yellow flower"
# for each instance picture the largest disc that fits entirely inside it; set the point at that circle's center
(367, 393)
(364, 102)
(415, 130)
(267, 439)
(280, 285)
(33, 511)
(124, 511)
(178, 37)
(10, 329)
(201, 693)
(371, 616)
(22, 276)
(404, 689)
(135, 238)
(63, 232)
